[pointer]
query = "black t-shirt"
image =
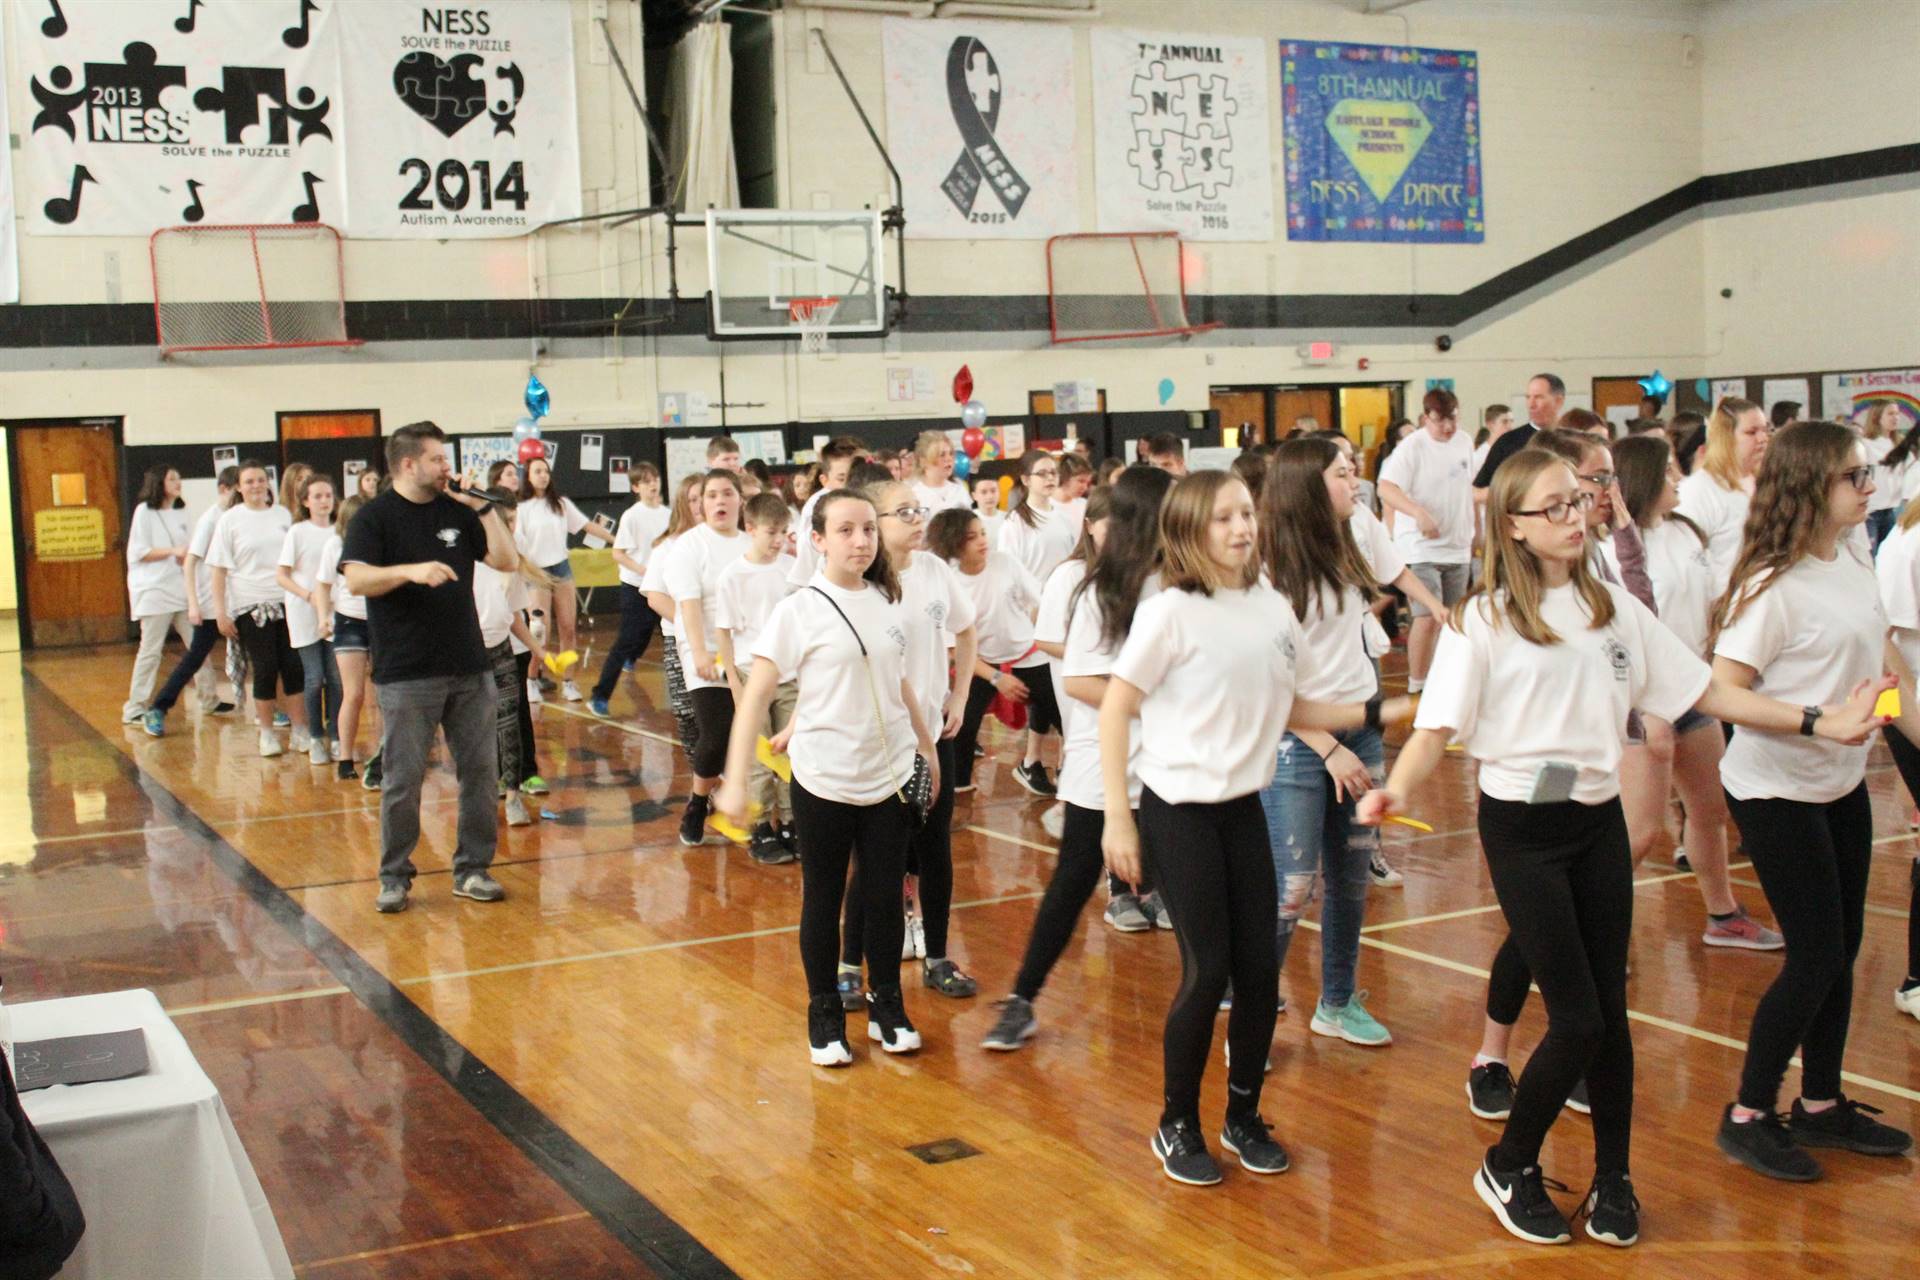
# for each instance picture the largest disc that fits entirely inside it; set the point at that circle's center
(419, 632)
(1505, 447)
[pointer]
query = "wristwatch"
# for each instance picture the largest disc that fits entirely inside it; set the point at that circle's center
(1807, 717)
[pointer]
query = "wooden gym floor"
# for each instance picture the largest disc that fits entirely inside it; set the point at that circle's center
(603, 1076)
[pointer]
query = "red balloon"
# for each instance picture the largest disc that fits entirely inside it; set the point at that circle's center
(972, 440)
(963, 385)
(531, 449)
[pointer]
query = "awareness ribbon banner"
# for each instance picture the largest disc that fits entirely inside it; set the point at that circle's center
(1382, 143)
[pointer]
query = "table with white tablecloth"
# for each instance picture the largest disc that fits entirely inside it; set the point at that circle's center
(154, 1159)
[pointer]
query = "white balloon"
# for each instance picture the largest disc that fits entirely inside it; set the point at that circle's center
(973, 414)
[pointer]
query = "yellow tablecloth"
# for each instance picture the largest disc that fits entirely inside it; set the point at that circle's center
(593, 567)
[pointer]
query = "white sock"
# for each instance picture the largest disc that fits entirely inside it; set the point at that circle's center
(1415, 686)
(1482, 1060)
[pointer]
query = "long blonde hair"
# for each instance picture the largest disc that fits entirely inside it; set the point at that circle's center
(509, 509)
(1719, 457)
(686, 507)
(1510, 578)
(1185, 564)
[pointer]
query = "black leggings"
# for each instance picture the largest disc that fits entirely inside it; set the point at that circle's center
(1072, 883)
(929, 856)
(1906, 758)
(270, 654)
(1564, 877)
(713, 712)
(528, 767)
(830, 833)
(1813, 861)
(1215, 870)
(1043, 713)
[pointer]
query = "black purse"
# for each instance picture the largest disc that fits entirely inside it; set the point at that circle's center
(917, 792)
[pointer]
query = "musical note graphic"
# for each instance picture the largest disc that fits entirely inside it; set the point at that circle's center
(185, 25)
(64, 209)
(296, 37)
(56, 26)
(197, 210)
(310, 211)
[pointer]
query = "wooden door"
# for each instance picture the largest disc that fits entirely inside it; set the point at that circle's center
(66, 506)
(1609, 393)
(1243, 410)
(1365, 413)
(328, 440)
(1290, 404)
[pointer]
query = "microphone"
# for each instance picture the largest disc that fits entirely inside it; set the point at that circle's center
(454, 486)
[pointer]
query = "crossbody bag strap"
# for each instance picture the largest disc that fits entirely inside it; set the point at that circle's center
(873, 692)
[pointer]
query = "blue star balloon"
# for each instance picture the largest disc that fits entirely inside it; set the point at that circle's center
(1657, 386)
(539, 403)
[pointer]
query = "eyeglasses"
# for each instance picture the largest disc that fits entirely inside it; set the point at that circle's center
(1563, 512)
(1037, 472)
(1599, 479)
(908, 515)
(1860, 477)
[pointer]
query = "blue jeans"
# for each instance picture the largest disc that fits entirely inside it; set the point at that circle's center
(1314, 836)
(322, 676)
(1879, 525)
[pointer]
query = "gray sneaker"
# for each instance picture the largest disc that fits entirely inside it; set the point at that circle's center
(393, 897)
(517, 815)
(1156, 910)
(479, 886)
(1124, 914)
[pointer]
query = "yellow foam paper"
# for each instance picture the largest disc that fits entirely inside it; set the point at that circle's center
(782, 767)
(1889, 704)
(724, 825)
(561, 663)
(1415, 823)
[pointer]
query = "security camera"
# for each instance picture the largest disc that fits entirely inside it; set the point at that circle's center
(1726, 293)
(1444, 342)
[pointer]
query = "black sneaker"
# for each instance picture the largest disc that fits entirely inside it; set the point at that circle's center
(1521, 1202)
(1034, 778)
(766, 849)
(346, 771)
(827, 1032)
(887, 1021)
(1612, 1210)
(1577, 1100)
(370, 775)
(1765, 1145)
(789, 839)
(223, 708)
(1183, 1154)
(693, 823)
(1845, 1126)
(1014, 1027)
(1490, 1091)
(1251, 1138)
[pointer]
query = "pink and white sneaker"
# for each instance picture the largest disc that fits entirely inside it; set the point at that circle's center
(1741, 931)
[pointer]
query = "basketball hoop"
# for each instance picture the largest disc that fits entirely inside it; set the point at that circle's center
(814, 318)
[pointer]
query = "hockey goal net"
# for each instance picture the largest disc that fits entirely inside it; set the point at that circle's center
(248, 288)
(1125, 284)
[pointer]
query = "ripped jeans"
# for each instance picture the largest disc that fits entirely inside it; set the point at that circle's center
(1315, 838)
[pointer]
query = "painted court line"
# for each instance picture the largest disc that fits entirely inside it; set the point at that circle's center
(29, 842)
(243, 1002)
(1464, 912)
(611, 723)
(411, 1246)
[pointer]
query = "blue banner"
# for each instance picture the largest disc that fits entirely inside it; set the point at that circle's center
(1382, 143)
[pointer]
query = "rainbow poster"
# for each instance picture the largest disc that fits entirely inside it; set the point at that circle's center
(1846, 395)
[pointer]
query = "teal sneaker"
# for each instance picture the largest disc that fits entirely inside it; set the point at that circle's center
(155, 723)
(1351, 1022)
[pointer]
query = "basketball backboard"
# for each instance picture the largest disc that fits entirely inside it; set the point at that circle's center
(760, 260)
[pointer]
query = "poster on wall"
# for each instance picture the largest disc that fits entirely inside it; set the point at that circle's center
(478, 453)
(9, 258)
(157, 115)
(462, 122)
(1849, 395)
(1180, 135)
(1382, 143)
(980, 120)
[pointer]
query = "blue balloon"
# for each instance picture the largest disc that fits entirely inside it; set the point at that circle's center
(525, 429)
(1702, 388)
(1656, 386)
(1166, 390)
(539, 403)
(962, 466)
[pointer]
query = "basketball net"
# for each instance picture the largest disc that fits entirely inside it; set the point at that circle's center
(813, 317)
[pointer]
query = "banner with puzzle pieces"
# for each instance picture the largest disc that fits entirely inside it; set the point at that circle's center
(1181, 134)
(463, 122)
(173, 112)
(1382, 143)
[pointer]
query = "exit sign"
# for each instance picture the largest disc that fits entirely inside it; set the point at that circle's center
(1317, 352)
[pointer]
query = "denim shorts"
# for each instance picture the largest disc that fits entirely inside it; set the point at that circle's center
(562, 572)
(1690, 720)
(350, 635)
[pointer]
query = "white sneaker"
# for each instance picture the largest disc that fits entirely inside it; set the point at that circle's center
(333, 749)
(300, 740)
(1382, 873)
(1054, 821)
(317, 752)
(571, 692)
(533, 692)
(131, 714)
(1908, 1001)
(270, 743)
(913, 940)
(517, 815)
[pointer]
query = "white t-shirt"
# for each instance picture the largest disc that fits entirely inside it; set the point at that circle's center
(744, 599)
(640, 524)
(1335, 632)
(198, 547)
(1042, 547)
(654, 581)
(805, 558)
(1050, 623)
(1376, 547)
(302, 552)
(1089, 653)
(837, 747)
(1898, 570)
(1004, 597)
(1515, 706)
(154, 587)
(542, 532)
(1218, 673)
(345, 603)
(937, 609)
(1812, 635)
(951, 496)
(498, 599)
(1886, 490)
(693, 572)
(991, 522)
(1721, 514)
(1439, 476)
(246, 543)
(1682, 574)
